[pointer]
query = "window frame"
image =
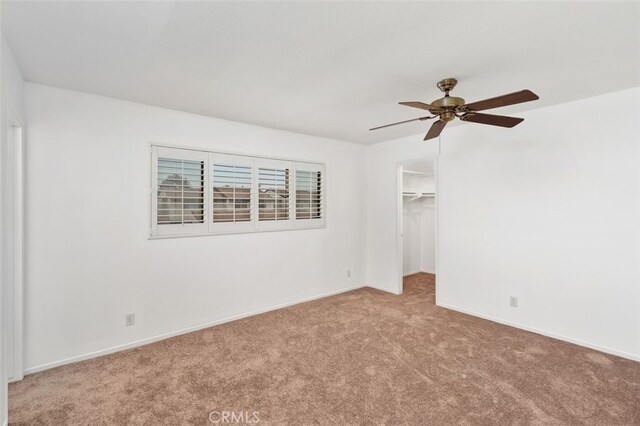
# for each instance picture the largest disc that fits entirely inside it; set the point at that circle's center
(209, 227)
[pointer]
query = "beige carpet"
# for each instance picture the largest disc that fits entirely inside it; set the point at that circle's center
(363, 357)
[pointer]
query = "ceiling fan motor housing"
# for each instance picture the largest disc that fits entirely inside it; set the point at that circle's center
(449, 103)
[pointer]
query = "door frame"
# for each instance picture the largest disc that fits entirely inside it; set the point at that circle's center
(14, 261)
(399, 222)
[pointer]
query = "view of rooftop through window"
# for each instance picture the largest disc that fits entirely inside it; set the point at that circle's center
(231, 193)
(273, 195)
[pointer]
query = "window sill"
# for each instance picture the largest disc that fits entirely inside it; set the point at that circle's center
(214, 234)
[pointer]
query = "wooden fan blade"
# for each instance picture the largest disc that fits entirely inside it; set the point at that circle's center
(420, 105)
(401, 122)
(493, 120)
(435, 130)
(504, 100)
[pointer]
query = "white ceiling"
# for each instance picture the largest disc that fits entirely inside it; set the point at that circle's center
(330, 69)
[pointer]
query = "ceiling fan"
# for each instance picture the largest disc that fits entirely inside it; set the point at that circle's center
(448, 108)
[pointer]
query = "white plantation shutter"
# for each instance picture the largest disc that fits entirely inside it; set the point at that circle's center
(198, 193)
(179, 191)
(232, 192)
(274, 194)
(309, 195)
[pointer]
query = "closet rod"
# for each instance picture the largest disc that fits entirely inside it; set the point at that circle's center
(417, 173)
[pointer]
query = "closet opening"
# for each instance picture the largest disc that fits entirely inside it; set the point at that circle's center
(417, 217)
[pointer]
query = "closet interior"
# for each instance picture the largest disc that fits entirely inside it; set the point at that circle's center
(419, 217)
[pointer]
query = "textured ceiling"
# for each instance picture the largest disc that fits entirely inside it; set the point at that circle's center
(330, 69)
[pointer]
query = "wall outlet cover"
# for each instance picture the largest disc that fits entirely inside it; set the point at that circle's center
(130, 319)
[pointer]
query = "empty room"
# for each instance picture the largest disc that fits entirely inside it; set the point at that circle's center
(320, 212)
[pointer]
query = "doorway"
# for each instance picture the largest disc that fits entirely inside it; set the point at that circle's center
(417, 214)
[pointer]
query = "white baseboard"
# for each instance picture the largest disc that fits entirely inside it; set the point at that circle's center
(142, 342)
(14, 379)
(578, 342)
(382, 289)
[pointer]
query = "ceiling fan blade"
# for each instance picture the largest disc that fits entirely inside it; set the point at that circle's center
(493, 120)
(504, 100)
(420, 105)
(435, 130)
(401, 122)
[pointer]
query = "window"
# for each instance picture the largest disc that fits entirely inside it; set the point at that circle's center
(197, 192)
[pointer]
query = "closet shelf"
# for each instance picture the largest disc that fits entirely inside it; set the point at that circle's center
(417, 195)
(411, 172)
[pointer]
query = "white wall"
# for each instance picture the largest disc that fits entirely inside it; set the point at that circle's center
(428, 236)
(89, 259)
(548, 211)
(411, 237)
(11, 94)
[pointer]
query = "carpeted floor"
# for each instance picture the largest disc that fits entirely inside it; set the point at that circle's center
(363, 357)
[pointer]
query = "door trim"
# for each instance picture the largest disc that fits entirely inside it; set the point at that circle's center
(15, 273)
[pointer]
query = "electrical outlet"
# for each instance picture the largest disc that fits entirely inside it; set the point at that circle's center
(348, 273)
(129, 319)
(513, 302)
